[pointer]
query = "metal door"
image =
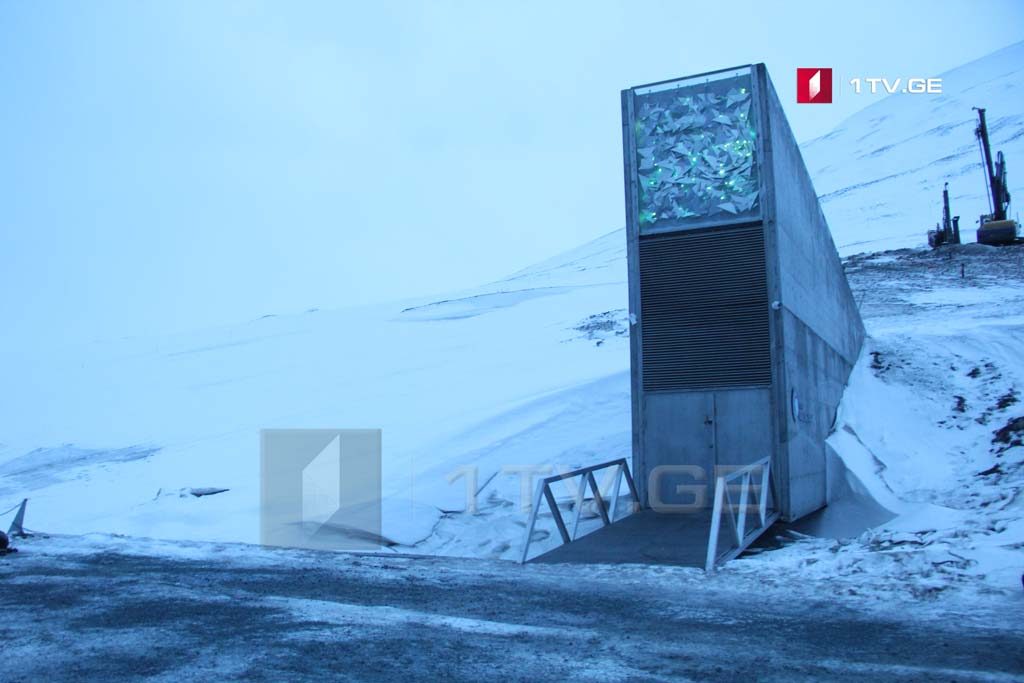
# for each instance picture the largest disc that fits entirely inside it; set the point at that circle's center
(679, 447)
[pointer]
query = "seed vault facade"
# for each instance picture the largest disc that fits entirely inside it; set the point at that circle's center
(744, 330)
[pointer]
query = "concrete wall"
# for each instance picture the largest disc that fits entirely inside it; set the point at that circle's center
(811, 278)
(819, 331)
(813, 384)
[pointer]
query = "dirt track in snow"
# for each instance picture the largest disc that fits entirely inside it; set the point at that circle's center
(278, 615)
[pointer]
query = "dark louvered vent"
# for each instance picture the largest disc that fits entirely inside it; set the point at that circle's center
(704, 310)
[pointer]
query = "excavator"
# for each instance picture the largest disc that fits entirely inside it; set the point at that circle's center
(995, 228)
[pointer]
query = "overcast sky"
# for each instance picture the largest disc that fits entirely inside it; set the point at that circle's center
(183, 164)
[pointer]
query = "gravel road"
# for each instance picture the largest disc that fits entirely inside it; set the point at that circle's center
(227, 613)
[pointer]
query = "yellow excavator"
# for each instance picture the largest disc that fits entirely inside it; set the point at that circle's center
(995, 228)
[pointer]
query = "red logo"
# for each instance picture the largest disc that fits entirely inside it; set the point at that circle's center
(814, 86)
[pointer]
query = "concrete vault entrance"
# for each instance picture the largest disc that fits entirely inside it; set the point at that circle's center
(743, 327)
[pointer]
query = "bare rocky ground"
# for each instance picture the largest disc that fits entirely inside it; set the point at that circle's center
(86, 610)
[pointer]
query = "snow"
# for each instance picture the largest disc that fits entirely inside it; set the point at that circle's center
(111, 608)
(530, 374)
(346, 614)
(961, 296)
(939, 375)
(880, 173)
(493, 380)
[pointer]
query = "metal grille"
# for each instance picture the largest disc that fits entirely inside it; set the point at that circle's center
(704, 310)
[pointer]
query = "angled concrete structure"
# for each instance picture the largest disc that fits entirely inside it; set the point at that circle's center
(744, 327)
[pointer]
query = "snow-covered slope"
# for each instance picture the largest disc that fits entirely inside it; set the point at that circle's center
(531, 372)
(930, 429)
(880, 173)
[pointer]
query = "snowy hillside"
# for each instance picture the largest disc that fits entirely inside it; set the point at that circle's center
(532, 371)
(930, 434)
(880, 173)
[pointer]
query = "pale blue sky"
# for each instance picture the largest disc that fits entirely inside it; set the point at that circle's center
(183, 164)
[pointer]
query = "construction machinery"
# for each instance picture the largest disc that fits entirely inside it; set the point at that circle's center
(994, 228)
(948, 232)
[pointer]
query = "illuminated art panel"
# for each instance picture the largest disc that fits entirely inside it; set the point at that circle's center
(696, 157)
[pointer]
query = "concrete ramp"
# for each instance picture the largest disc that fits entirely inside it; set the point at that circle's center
(645, 537)
(688, 536)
